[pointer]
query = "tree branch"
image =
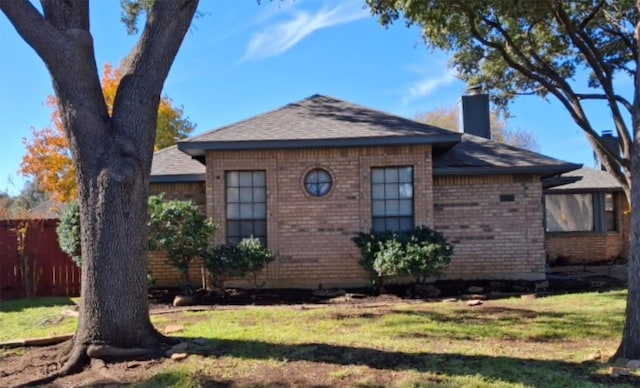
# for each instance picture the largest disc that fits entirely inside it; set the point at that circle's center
(591, 15)
(167, 23)
(43, 37)
(604, 73)
(618, 98)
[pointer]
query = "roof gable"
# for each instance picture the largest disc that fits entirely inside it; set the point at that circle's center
(172, 165)
(319, 121)
(581, 180)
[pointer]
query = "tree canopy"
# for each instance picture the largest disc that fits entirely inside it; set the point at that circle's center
(48, 160)
(447, 118)
(543, 48)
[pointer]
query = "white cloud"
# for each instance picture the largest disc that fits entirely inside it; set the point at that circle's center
(280, 37)
(427, 86)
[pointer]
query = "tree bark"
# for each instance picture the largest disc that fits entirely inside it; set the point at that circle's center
(112, 155)
(630, 344)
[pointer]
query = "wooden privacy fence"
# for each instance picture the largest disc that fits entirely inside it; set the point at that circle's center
(32, 263)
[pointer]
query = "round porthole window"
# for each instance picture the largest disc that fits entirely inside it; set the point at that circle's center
(317, 182)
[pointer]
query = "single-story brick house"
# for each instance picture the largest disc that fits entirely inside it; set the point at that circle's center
(305, 178)
(587, 219)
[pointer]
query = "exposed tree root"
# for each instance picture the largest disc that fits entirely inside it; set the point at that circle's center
(99, 366)
(77, 356)
(114, 352)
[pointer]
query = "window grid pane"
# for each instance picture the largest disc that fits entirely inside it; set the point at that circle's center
(317, 183)
(246, 205)
(392, 198)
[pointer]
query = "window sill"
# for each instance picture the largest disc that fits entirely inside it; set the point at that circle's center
(581, 234)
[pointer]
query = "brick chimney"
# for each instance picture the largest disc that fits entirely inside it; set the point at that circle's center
(474, 113)
(611, 142)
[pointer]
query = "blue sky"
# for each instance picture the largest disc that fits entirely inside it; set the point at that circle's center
(242, 58)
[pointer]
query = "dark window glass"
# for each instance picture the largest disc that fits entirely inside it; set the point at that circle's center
(392, 199)
(610, 212)
(317, 182)
(246, 205)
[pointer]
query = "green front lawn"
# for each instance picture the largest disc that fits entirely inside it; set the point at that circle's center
(507, 343)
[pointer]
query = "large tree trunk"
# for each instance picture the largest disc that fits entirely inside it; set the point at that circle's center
(630, 344)
(112, 154)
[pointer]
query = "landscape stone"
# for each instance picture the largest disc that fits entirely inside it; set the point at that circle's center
(182, 300)
(179, 356)
(618, 371)
(474, 302)
(633, 364)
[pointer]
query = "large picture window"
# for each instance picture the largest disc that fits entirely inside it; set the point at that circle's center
(392, 199)
(580, 212)
(246, 198)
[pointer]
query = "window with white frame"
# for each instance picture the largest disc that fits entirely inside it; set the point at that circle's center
(246, 201)
(392, 199)
(580, 212)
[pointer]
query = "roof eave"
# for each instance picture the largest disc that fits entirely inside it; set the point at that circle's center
(543, 171)
(559, 190)
(177, 178)
(199, 148)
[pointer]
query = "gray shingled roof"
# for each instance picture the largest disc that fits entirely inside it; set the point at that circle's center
(476, 155)
(172, 165)
(319, 121)
(584, 179)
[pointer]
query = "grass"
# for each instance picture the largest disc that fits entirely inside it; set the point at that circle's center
(507, 343)
(35, 317)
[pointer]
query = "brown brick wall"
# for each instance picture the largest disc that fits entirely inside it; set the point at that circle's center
(492, 238)
(311, 237)
(162, 272)
(588, 247)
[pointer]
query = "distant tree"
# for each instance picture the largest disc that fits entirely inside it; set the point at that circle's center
(48, 160)
(544, 48)
(19, 206)
(112, 152)
(447, 118)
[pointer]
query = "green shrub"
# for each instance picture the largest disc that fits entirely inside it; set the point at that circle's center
(69, 232)
(244, 260)
(421, 253)
(176, 227)
(179, 229)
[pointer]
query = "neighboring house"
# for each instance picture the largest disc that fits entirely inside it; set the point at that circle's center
(307, 177)
(587, 218)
